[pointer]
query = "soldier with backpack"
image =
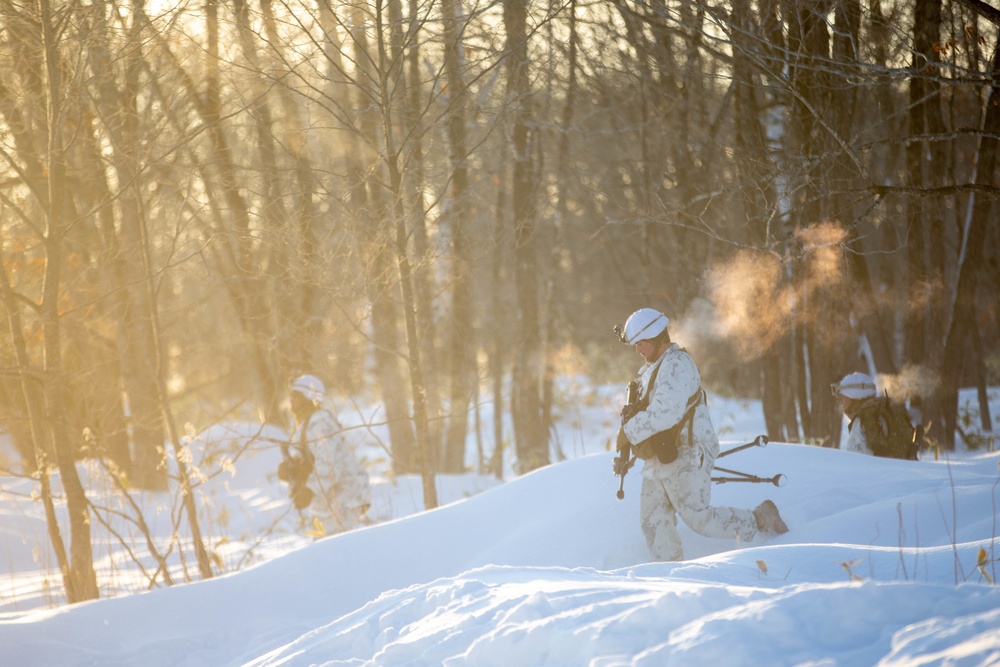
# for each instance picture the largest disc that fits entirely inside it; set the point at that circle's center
(877, 426)
(325, 476)
(670, 429)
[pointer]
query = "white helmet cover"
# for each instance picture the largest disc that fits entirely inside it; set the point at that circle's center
(644, 324)
(309, 386)
(855, 385)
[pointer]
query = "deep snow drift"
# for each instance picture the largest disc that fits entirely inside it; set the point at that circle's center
(886, 562)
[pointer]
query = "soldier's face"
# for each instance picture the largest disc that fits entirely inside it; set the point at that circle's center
(646, 349)
(299, 404)
(847, 405)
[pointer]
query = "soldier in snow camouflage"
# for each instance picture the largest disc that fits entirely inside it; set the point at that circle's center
(674, 436)
(342, 491)
(853, 390)
(877, 425)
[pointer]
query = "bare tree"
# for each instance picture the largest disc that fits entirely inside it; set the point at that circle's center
(462, 339)
(117, 108)
(526, 402)
(963, 325)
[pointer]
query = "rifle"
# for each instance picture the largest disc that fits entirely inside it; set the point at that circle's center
(624, 461)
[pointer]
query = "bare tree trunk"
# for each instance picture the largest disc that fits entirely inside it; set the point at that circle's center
(531, 437)
(558, 273)
(100, 353)
(273, 211)
(851, 277)
(931, 162)
(923, 162)
(31, 390)
(398, 214)
(823, 306)
(499, 349)
(118, 108)
(335, 91)
(382, 279)
(982, 380)
(81, 581)
(462, 339)
(302, 315)
(963, 319)
(755, 168)
(425, 267)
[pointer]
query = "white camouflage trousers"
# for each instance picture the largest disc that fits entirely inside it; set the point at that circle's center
(684, 488)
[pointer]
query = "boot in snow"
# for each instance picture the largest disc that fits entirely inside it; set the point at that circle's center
(768, 519)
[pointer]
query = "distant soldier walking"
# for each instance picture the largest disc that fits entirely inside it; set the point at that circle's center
(325, 477)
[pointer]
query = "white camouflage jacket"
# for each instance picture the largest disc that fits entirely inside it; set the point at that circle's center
(856, 440)
(339, 480)
(676, 382)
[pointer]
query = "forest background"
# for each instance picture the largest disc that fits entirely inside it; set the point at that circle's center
(428, 203)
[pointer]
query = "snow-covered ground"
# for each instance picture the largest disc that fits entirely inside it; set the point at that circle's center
(886, 562)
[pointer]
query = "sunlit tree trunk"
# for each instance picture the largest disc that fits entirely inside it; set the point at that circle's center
(378, 233)
(31, 390)
(117, 111)
(302, 315)
(461, 334)
(274, 213)
(425, 266)
(559, 274)
(390, 75)
(345, 155)
(530, 435)
(499, 341)
(246, 288)
(81, 581)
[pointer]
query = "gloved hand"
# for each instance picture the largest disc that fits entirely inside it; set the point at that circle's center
(620, 465)
(622, 441)
(301, 495)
